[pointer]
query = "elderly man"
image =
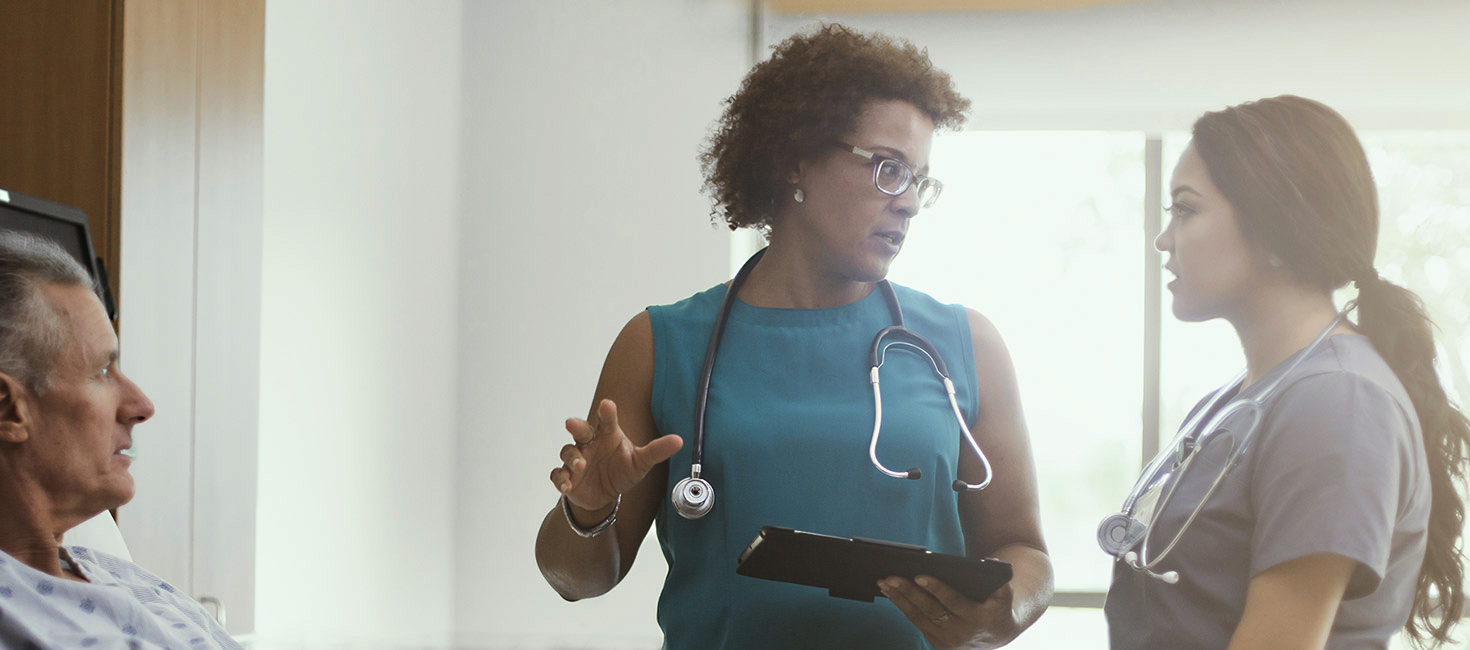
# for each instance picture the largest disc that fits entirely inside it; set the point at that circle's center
(66, 422)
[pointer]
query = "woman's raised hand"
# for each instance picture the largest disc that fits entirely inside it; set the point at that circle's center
(602, 463)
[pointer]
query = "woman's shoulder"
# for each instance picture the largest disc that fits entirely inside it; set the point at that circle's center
(1347, 368)
(971, 322)
(911, 297)
(1345, 394)
(699, 306)
(918, 305)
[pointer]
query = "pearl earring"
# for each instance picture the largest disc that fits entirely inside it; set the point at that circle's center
(799, 195)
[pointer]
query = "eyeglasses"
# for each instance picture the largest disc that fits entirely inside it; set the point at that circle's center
(893, 177)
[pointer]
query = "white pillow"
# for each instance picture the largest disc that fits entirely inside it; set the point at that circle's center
(99, 533)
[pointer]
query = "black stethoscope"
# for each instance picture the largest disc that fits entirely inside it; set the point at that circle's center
(693, 497)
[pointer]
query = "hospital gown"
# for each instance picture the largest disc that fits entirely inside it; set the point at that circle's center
(123, 608)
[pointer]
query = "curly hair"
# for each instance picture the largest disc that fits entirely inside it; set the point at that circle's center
(809, 93)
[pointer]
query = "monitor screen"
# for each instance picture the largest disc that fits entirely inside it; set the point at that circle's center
(63, 224)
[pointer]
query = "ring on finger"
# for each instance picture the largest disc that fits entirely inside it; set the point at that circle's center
(941, 618)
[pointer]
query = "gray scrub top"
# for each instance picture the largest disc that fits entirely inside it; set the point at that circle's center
(1336, 466)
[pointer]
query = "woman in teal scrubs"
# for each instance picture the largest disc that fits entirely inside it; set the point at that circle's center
(825, 150)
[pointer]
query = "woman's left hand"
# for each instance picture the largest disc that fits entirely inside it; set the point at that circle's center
(947, 618)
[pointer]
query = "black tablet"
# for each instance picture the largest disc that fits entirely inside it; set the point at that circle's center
(851, 568)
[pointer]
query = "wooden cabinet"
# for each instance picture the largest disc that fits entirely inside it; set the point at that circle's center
(60, 109)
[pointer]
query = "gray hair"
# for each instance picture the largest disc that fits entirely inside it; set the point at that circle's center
(32, 335)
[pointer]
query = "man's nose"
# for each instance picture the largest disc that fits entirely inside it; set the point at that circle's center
(136, 407)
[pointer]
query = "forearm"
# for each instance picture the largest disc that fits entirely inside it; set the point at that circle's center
(1292, 605)
(1284, 627)
(574, 566)
(1031, 580)
(1031, 585)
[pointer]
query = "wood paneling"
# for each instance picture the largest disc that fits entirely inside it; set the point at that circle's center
(60, 109)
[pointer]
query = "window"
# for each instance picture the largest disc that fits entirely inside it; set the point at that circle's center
(1041, 232)
(1045, 233)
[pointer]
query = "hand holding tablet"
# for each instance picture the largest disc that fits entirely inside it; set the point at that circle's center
(851, 568)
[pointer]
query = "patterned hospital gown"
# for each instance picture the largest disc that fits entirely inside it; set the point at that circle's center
(122, 608)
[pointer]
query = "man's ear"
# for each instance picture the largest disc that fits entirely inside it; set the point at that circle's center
(15, 410)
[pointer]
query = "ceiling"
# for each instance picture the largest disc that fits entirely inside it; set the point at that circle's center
(917, 6)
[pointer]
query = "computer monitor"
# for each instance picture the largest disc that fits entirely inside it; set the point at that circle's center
(65, 225)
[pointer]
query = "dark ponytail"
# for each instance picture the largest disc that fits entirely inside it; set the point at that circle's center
(1302, 190)
(1394, 319)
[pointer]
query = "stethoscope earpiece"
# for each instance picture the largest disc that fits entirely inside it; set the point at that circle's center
(900, 336)
(1169, 577)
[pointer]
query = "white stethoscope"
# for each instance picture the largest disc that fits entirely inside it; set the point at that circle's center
(1120, 532)
(693, 497)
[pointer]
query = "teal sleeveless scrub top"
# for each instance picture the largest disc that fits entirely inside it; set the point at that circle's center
(790, 416)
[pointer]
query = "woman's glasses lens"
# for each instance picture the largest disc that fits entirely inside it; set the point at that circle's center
(892, 177)
(929, 190)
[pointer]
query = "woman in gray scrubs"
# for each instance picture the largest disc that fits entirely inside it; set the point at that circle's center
(1339, 515)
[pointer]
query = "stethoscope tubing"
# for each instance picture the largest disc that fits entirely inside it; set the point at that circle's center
(693, 497)
(701, 401)
(1140, 559)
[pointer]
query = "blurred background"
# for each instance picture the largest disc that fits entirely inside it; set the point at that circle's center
(366, 287)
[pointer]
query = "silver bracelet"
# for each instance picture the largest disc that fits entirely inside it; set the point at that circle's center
(595, 530)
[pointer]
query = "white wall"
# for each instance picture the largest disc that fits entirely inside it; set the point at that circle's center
(1158, 64)
(358, 329)
(190, 308)
(464, 202)
(582, 122)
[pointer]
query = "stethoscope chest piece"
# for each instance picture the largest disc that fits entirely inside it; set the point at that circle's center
(693, 497)
(1118, 533)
